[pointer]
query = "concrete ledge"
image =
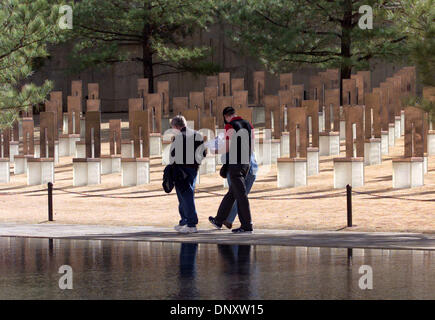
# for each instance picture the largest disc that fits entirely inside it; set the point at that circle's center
(331, 239)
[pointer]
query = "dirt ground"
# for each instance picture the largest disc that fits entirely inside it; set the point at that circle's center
(317, 206)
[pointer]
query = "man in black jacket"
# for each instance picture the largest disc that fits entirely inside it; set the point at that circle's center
(239, 135)
(187, 152)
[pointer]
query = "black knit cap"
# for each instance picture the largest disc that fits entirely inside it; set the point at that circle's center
(228, 111)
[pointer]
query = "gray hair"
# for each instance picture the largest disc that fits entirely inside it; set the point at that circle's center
(179, 121)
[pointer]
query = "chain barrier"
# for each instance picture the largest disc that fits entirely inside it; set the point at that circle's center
(273, 198)
(391, 197)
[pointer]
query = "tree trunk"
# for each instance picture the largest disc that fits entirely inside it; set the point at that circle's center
(147, 56)
(346, 41)
(147, 63)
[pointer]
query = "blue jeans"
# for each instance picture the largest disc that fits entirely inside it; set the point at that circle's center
(185, 194)
(249, 181)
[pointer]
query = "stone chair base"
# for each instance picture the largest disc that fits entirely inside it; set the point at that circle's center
(127, 149)
(292, 172)
(14, 149)
(275, 150)
(20, 164)
(5, 171)
(37, 153)
(312, 161)
(258, 115)
(268, 153)
(135, 171)
(82, 128)
(425, 163)
(65, 123)
(166, 148)
(155, 144)
(110, 164)
(402, 122)
(431, 143)
(86, 171)
(372, 152)
(348, 171)
(385, 147)
(329, 143)
(208, 165)
(67, 144)
(285, 145)
(80, 149)
(40, 171)
(391, 135)
(408, 172)
(397, 126)
(321, 122)
(342, 130)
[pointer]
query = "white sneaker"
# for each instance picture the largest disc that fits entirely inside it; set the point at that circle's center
(186, 229)
(178, 227)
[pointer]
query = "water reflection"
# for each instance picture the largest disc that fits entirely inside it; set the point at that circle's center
(143, 270)
(187, 272)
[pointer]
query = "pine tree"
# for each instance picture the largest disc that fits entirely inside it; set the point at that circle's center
(148, 32)
(416, 20)
(26, 27)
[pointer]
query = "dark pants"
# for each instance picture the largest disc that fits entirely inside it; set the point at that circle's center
(185, 193)
(237, 192)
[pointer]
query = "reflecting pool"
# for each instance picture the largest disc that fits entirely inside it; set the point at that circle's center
(104, 269)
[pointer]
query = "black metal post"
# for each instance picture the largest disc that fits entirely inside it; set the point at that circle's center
(349, 205)
(50, 201)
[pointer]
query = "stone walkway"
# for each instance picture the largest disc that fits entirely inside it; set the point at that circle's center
(335, 239)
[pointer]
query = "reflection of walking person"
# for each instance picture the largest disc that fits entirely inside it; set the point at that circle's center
(238, 150)
(187, 272)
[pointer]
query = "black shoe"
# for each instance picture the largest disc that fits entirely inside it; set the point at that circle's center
(227, 224)
(241, 230)
(214, 223)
